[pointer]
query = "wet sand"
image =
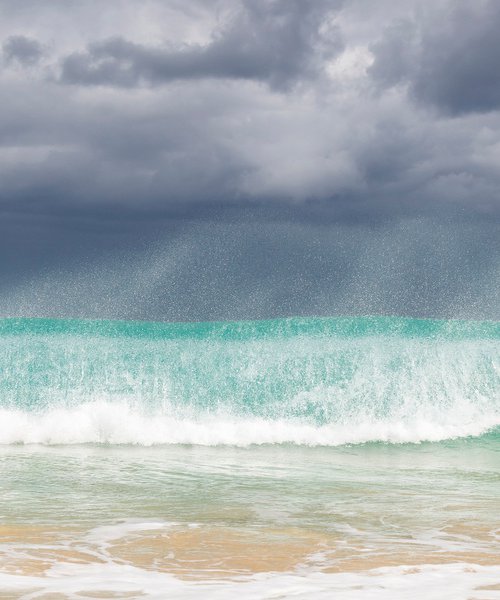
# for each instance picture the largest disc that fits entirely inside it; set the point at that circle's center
(205, 552)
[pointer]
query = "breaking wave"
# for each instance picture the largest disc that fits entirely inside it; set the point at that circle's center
(304, 381)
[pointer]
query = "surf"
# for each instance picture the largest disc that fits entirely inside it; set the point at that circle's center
(304, 381)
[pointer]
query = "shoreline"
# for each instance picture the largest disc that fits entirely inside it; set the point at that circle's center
(198, 553)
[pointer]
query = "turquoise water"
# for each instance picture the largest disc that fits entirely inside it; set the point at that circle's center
(313, 381)
(301, 458)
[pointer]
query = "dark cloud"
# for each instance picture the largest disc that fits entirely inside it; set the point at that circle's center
(23, 50)
(448, 59)
(277, 41)
(215, 136)
(221, 159)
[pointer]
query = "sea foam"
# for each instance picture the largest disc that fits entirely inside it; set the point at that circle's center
(308, 381)
(118, 423)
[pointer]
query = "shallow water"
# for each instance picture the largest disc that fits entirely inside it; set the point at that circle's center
(251, 518)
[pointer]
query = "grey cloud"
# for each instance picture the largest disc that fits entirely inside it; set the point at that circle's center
(23, 50)
(395, 54)
(277, 41)
(154, 152)
(338, 155)
(448, 58)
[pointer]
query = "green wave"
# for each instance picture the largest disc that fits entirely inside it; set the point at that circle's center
(389, 377)
(244, 330)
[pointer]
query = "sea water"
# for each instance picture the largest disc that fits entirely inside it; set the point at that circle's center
(295, 458)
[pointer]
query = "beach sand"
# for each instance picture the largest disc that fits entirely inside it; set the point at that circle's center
(201, 553)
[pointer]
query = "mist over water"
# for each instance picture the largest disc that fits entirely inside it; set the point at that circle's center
(249, 266)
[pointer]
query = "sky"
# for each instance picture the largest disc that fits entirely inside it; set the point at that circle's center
(232, 159)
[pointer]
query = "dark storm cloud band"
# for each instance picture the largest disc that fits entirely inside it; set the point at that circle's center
(276, 41)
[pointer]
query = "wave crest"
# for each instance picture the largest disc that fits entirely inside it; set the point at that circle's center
(102, 422)
(309, 381)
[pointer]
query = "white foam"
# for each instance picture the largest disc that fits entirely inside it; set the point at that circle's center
(103, 422)
(109, 533)
(433, 582)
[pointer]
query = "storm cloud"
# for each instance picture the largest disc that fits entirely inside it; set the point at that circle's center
(346, 123)
(448, 58)
(22, 49)
(275, 41)
(251, 101)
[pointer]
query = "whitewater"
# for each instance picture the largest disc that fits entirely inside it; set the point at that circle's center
(303, 381)
(352, 457)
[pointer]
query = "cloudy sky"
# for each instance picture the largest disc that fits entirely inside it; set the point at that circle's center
(211, 159)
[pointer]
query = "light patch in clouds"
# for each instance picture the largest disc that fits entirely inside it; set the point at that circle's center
(351, 65)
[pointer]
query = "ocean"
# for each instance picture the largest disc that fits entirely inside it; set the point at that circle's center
(293, 458)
